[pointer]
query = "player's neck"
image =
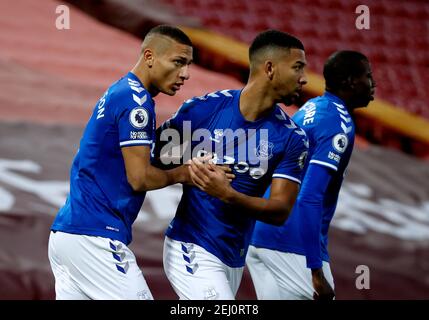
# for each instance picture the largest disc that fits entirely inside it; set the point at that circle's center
(344, 96)
(144, 78)
(255, 103)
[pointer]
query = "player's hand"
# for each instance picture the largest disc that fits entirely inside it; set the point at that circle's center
(187, 179)
(322, 288)
(185, 169)
(228, 171)
(215, 180)
(208, 159)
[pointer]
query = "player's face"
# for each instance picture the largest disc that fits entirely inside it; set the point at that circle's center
(363, 87)
(290, 76)
(171, 68)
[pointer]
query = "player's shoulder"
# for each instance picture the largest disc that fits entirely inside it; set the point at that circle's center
(213, 97)
(212, 100)
(287, 127)
(323, 112)
(127, 91)
(284, 122)
(336, 117)
(313, 111)
(332, 108)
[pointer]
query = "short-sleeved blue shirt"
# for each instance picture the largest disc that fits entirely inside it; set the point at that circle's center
(101, 201)
(220, 228)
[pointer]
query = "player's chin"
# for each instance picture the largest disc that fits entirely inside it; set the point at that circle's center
(369, 99)
(364, 103)
(173, 89)
(290, 100)
(170, 92)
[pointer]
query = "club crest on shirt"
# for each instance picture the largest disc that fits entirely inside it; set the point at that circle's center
(265, 150)
(139, 117)
(340, 142)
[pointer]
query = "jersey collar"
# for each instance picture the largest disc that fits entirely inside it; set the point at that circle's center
(334, 98)
(243, 121)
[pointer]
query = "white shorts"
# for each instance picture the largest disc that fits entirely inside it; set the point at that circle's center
(279, 275)
(87, 267)
(196, 274)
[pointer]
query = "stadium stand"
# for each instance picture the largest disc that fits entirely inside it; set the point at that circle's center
(51, 80)
(227, 27)
(400, 60)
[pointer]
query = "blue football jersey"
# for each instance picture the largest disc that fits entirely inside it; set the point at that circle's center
(257, 151)
(330, 130)
(101, 201)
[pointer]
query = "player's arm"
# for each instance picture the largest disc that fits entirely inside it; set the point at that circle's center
(171, 136)
(331, 143)
(274, 210)
(136, 131)
(142, 176)
(310, 207)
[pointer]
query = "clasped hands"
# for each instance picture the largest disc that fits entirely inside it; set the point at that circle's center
(209, 177)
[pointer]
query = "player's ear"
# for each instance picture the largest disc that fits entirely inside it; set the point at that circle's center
(148, 57)
(269, 69)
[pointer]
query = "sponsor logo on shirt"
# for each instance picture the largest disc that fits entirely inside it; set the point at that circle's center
(138, 135)
(334, 156)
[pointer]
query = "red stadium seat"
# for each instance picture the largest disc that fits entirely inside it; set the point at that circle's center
(397, 42)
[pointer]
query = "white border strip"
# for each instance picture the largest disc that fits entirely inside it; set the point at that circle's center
(131, 142)
(326, 164)
(279, 175)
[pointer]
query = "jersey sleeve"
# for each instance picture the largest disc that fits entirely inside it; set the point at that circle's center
(294, 157)
(331, 141)
(136, 120)
(310, 208)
